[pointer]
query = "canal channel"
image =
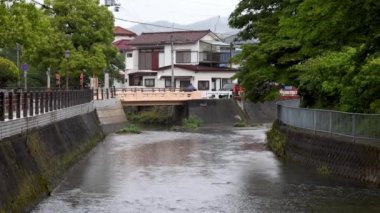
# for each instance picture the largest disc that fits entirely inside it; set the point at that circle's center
(220, 169)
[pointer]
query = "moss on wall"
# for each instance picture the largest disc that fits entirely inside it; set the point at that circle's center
(276, 140)
(31, 164)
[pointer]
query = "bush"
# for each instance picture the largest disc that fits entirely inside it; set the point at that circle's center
(8, 72)
(131, 129)
(191, 123)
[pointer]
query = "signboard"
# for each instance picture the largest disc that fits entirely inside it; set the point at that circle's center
(24, 68)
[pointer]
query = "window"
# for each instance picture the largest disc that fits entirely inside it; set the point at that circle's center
(149, 82)
(135, 81)
(145, 60)
(183, 56)
(184, 84)
(203, 85)
(168, 83)
(226, 81)
(129, 55)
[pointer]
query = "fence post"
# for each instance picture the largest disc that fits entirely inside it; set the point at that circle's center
(47, 101)
(18, 105)
(2, 106)
(315, 121)
(101, 91)
(37, 99)
(31, 104)
(107, 94)
(354, 126)
(42, 101)
(25, 104)
(330, 123)
(10, 105)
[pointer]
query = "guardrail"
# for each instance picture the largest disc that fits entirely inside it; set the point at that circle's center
(14, 105)
(354, 125)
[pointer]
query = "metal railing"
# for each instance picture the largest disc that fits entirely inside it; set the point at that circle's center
(14, 105)
(354, 125)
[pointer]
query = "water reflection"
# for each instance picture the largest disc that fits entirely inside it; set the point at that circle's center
(218, 170)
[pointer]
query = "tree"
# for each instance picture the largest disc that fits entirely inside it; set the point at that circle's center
(87, 31)
(329, 49)
(8, 72)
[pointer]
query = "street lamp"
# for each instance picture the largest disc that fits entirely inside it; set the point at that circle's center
(67, 56)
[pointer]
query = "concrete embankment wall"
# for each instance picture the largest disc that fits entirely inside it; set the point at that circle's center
(111, 116)
(260, 112)
(213, 111)
(341, 156)
(31, 162)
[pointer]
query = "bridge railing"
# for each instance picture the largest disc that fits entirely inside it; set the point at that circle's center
(354, 125)
(14, 105)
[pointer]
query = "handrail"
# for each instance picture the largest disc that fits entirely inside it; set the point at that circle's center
(354, 125)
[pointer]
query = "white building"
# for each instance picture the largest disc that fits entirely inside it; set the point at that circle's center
(121, 42)
(199, 57)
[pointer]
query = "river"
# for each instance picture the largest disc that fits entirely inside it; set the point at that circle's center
(213, 170)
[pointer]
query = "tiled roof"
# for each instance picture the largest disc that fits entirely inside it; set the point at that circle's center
(179, 37)
(199, 68)
(122, 44)
(119, 31)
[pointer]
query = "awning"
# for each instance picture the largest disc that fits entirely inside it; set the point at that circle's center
(216, 43)
(143, 73)
(177, 77)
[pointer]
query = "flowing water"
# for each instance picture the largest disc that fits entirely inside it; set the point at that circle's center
(215, 170)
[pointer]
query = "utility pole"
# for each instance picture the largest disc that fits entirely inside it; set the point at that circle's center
(18, 47)
(48, 78)
(172, 57)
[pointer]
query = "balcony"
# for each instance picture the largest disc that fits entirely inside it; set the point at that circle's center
(193, 57)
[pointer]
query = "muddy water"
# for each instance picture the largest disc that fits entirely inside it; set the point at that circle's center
(216, 170)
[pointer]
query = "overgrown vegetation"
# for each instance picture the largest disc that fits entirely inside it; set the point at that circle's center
(324, 170)
(191, 123)
(317, 46)
(276, 140)
(240, 124)
(130, 129)
(154, 116)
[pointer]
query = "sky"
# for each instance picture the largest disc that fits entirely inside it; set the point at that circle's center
(177, 11)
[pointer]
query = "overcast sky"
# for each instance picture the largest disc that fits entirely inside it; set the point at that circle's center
(177, 11)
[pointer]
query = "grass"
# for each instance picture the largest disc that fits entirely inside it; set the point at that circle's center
(131, 129)
(149, 117)
(191, 123)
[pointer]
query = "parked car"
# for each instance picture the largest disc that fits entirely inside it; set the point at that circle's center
(236, 89)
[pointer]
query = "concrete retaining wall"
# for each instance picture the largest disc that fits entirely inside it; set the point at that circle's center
(260, 112)
(212, 111)
(359, 161)
(32, 162)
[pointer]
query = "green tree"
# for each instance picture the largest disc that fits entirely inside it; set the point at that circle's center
(87, 31)
(329, 49)
(8, 72)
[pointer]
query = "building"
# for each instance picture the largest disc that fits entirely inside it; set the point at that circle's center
(121, 42)
(199, 57)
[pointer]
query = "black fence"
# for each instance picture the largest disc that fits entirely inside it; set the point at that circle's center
(102, 94)
(15, 105)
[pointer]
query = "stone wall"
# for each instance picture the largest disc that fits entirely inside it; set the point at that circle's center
(32, 162)
(340, 156)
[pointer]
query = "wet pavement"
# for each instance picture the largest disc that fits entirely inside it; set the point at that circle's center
(215, 170)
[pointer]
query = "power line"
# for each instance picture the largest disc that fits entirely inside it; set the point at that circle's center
(162, 26)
